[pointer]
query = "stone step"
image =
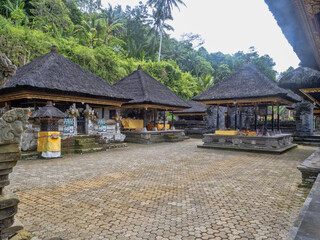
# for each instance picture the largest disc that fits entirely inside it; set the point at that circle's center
(87, 145)
(81, 142)
(29, 155)
(88, 150)
(316, 144)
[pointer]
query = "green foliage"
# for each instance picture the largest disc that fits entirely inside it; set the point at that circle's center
(75, 14)
(171, 75)
(111, 42)
(16, 10)
(49, 12)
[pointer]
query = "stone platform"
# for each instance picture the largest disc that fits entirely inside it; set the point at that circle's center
(278, 143)
(149, 137)
(306, 226)
(310, 168)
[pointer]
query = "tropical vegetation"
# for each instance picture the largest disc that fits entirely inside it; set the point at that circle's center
(112, 41)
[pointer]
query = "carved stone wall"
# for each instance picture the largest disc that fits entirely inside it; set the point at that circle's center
(7, 69)
(12, 126)
(211, 118)
(304, 118)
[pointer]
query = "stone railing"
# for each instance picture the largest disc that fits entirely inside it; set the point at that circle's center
(12, 126)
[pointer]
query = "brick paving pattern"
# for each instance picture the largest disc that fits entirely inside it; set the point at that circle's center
(164, 191)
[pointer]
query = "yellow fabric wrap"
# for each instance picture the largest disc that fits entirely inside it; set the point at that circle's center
(158, 125)
(136, 124)
(227, 132)
(249, 133)
(49, 142)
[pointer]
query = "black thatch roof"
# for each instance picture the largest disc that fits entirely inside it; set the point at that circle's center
(285, 13)
(245, 83)
(300, 78)
(48, 111)
(53, 71)
(196, 107)
(144, 89)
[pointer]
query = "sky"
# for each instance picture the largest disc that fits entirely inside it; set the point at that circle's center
(229, 26)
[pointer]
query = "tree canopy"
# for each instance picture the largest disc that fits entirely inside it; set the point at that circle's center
(111, 42)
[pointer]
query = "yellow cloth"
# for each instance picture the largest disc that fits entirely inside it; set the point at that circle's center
(49, 142)
(136, 124)
(158, 125)
(249, 133)
(227, 132)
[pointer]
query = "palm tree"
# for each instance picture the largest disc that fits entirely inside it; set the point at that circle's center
(163, 12)
(204, 82)
(17, 13)
(88, 32)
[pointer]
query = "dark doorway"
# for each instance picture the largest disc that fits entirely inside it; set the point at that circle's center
(81, 125)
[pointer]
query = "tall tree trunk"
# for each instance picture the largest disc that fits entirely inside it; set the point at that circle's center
(161, 32)
(159, 56)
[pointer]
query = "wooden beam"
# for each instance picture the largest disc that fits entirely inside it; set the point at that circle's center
(153, 106)
(189, 114)
(311, 90)
(57, 97)
(251, 101)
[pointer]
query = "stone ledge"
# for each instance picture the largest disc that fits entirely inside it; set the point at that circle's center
(249, 149)
(306, 226)
(310, 168)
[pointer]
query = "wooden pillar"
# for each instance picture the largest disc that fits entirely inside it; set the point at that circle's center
(235, 117)
(144, 129)
(164, 121)
(272, 119)
(227, 116)
(266, 119)
(240, 115)
(218, 116)
(255, 117)
(155, 120)
(278, 111)
(172, 122)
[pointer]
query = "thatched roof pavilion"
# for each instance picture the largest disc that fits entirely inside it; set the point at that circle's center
(147, 92)
(303, 81)
(197, 108)
(56, 78)
(247, 86)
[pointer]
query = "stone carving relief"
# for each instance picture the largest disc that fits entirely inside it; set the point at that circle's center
(7, 69)
(12, 125)
(89, 113)
(73, 111)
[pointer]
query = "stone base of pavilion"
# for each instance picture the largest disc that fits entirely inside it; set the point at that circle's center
(310, 168)
(149, 137)
(278, 143)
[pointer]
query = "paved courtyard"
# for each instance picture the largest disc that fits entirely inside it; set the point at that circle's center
(164, 191)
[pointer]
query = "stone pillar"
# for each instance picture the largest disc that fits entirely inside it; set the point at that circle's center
(304, 118)
(12, 126)
(211, 118)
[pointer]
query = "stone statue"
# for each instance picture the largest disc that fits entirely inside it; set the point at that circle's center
(12, 126)
(73, 111)
(7, 69)
(89, 113)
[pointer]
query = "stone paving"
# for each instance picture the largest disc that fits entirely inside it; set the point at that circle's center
(164, 191)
